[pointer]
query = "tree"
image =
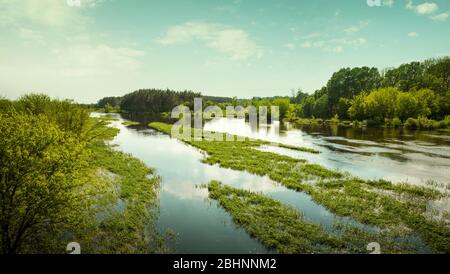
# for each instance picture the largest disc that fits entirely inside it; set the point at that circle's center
(283, 106)
(308, 106)
(427, 101)
(407, 106)
(40, 186)
(297, 97)
(440, 70)
(380, 104)
(321, 107)
(406, 77)
(342, 108)
(67, 115)
(357, 108)
(347, 83)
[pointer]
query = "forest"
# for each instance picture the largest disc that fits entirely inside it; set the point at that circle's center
(414, 95)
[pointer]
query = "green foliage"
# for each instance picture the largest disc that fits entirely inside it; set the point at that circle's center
(411, 90)
(347, 83)
(40, 179)
(283, 106)
(110, 109)
(130, 123)
(111, 101)
(298, 97)
(387, 104)
(157, 101)
(67, 115)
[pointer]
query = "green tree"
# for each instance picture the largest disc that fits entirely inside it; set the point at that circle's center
(406, 77)
(407, 106)
(357, 110)
(283, 106)
(347, 83)
(40, 186)
(308, 106)
(342, 108)
(321, 107)
(428, 102)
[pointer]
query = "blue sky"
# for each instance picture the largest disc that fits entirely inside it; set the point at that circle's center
(238, 48)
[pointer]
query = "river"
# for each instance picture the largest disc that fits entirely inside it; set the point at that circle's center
(201, 226)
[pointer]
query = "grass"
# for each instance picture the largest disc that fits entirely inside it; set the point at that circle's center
(107, 118)
(392, 207)
(130, 123)
(128, 226)
(304, 149)
(283, 228)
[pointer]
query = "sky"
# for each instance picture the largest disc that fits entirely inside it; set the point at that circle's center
(88, 49)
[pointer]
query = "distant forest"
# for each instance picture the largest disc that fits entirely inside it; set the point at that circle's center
(416, 89)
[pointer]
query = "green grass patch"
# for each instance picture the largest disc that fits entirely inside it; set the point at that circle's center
(304, 149)
(130, 123)
(284, 229)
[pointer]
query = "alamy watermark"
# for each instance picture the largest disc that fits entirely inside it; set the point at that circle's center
(74, 248)
(73, 3)
(188, 127)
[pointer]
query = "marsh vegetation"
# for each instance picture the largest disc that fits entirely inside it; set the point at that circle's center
(396, 208)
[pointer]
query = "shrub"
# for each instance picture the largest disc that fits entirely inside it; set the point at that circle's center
(411, 123)
(396, 122)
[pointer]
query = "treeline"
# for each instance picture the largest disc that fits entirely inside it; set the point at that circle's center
(149, 100)
(411, 90)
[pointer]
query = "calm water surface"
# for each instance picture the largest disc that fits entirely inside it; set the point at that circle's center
(374, 153)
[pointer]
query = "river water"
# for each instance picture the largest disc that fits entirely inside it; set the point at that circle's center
(201, 226)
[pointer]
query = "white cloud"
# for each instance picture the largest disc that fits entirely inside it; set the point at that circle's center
(354, 29)
(30, 35)
(440, 17)
(427, 8)
(43, 12)
(430, 9)
(336, 45)
(412, 34)
(85, 60)
(289, 46)
(423, 9)
(230, 41)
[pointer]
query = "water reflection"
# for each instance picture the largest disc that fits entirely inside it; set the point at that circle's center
(398, 155)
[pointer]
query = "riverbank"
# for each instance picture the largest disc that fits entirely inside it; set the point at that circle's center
(127, 208)
(420, 123)
(398, 208)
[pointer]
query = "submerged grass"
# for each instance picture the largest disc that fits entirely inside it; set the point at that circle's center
(130, 123)
(304, 149)
(396, 208)
(283, 228)
(126, 207)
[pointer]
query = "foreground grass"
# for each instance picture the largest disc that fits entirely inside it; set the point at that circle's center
(130, 123)
(126, 207)
(396, 208)
(284, 229)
